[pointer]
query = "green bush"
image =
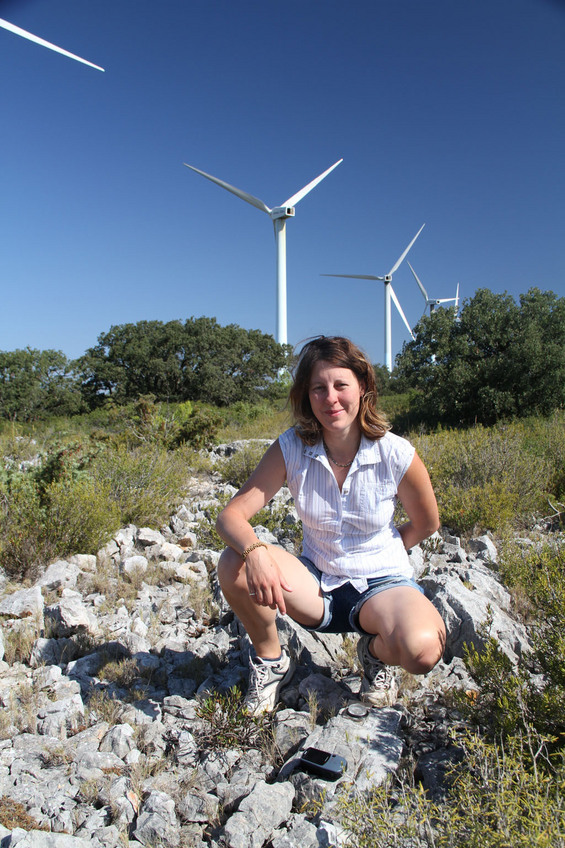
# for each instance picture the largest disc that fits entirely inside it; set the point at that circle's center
(254, 421)
(490, 478)
(23, 546)
(79, 495)
(531, 694)
(80, 516)
(236, 469)
(499, 797)
(225, 723)
(143, 483)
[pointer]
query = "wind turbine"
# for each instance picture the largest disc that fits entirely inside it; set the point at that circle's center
(25, 34)
(279, 215)
(434, 302)
(389, 294)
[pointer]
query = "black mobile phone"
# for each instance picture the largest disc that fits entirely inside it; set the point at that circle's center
(330, 766)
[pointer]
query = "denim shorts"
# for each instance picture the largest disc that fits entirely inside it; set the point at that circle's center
(342, 605)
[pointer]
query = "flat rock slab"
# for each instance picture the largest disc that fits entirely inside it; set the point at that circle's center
(371, 746)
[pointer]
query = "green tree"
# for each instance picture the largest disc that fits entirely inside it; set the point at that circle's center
(37, 383)
(175, 361)
(500, 359)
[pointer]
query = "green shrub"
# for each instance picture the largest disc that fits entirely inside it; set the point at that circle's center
(78, 496)
(226, 723)
(254, 421)
(80, 515)
(501, 706)
(236, 469)
(487, 478)
(143, 483)
(499, 797)
(23, 546)
(532, 694)
(494, 505)
(198, 428)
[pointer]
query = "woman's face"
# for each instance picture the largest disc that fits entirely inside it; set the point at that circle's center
(335, 394)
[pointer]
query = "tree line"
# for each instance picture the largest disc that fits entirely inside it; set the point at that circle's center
(196, 359)
(498, 358)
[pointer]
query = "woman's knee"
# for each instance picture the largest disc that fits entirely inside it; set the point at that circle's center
(229, 569)
(423, 651)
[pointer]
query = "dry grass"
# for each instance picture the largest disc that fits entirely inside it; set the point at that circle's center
(13, 814)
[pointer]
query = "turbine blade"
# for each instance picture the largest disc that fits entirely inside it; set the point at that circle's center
(422, 289)
(457, 298)
(292, 201)
(254, 201)
(399, 261)
(25, 34)
(354, 276)
(400, 310)
(454, 300)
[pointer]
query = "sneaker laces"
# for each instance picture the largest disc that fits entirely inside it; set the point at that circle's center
(383, 677)
(258, 675)
(379, 674)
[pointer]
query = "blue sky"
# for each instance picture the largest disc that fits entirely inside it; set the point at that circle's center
(447, 112)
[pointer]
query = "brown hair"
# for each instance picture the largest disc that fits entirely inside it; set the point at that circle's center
(342, 353)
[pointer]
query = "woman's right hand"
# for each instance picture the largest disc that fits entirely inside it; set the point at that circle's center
(265, 580)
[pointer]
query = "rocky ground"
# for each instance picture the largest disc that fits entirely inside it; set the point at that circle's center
(119, 725)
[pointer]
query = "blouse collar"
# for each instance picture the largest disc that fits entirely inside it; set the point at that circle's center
(368, 453)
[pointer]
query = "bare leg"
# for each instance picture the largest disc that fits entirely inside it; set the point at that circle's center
(304, 603)
(408, 629)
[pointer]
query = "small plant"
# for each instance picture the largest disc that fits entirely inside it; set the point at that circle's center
(56, 756)
(123, 672)
(226, 723)
(102, 707)
(347, 658)
(13, 815)
(19, 641)
(202, 602)
(91, 789)
(313, 708)
(146, 767)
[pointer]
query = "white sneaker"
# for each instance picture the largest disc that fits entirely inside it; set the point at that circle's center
(265, 682)
(378, 686)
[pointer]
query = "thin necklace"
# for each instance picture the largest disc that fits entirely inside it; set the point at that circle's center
(331, 459)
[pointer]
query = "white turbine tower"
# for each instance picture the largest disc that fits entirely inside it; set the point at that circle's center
(433, 302)
(389, 294)
(25, 34)
(278, 214)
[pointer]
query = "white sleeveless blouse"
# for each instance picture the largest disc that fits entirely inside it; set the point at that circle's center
(349, 535)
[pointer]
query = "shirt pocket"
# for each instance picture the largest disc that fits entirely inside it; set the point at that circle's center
(376, 504)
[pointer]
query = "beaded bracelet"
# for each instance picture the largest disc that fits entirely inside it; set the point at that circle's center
(252, 548)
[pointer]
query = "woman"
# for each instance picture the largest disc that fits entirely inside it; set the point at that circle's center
(345, 471)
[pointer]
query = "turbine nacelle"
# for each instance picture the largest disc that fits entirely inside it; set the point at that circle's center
(282, 212)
